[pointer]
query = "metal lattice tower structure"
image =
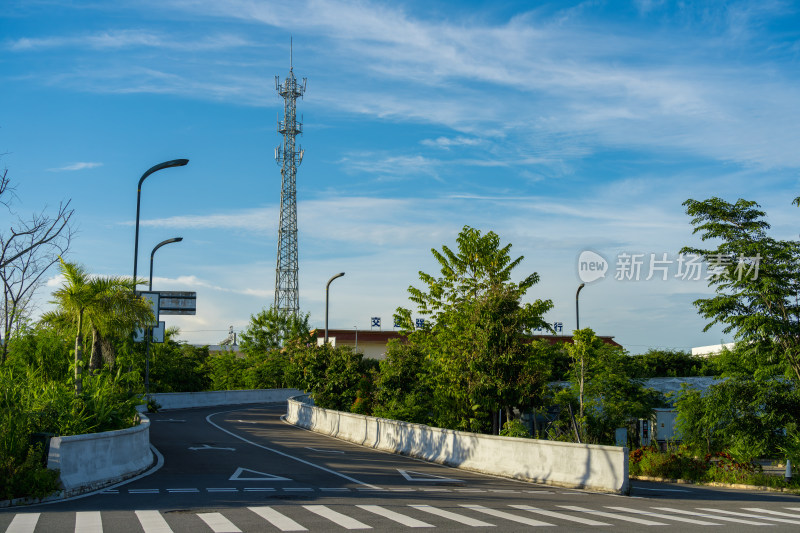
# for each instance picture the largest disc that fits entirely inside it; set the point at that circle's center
(289, 156)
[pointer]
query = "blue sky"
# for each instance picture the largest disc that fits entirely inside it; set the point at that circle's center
(562, 126)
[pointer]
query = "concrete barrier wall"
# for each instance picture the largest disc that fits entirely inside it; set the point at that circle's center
(96, 459)
(601, 468)
(186, 400)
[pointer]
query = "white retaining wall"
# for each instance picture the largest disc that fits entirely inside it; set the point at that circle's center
(97, 459)
(602, 468)
(187, 400)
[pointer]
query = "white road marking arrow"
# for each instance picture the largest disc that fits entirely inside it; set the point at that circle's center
(323, 451)
(254, 475)
(207, 447)
(418, 476)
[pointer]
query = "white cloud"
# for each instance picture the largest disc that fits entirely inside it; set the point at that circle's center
(76, 166)
(448, 142)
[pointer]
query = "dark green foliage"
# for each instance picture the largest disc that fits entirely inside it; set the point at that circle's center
(31, 403)
(226, 371)
(334, 376)
(270, 329)
(179, 367)
(763, 310)
(742, 415)
(607, 396)
(404, 388)
(476, 331)
(267, 370)
(671, 363)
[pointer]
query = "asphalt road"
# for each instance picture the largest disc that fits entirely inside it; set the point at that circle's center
(243, 469)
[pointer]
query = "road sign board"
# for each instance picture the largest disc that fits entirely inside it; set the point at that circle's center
(157, 333)
(177, 303)
(153, 298)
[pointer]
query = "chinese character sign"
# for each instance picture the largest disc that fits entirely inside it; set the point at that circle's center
(420, 323)
(376, 322)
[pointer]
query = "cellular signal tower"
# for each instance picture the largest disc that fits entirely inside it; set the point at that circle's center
(288, 156)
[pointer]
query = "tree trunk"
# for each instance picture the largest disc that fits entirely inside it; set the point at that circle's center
(96, 358)
(79, 355)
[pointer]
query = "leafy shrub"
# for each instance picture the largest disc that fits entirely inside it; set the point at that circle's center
(515, 428)
(673, 464)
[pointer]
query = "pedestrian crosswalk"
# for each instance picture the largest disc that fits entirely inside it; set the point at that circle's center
(360, 517)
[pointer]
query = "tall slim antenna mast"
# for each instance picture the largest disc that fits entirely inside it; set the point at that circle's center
(288, 156)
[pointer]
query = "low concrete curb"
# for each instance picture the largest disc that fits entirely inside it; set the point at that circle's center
(599, 468)
(93, 460)
(188, 400)
(739, 486)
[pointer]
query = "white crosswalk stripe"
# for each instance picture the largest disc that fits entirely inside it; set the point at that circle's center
(461, 519)
(706, 515)
(23, 523)
(88, 522)
(337, 517)
(153, 522)
(777, 513)
(508, 516)
(282, 522)
(350, 517)
(554, 514)
(394, 516)
(614, 516)
(751, 515)
(218, 523)
(665, 516)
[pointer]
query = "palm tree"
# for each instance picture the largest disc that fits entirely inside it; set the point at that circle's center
(103, 305)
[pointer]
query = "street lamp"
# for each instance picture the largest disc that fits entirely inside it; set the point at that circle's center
(339, 275)
(577, 316)
(159, 245)
(149, 331)
(156, 168)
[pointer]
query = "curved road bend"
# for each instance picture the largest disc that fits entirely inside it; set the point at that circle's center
(232, 469)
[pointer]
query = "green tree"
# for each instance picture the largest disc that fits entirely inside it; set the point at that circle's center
(271, 328)
(606, 392)
(757, 283)
(403, 386)
(476, 329)
(100, 303)
(738, 414)
(333, 375)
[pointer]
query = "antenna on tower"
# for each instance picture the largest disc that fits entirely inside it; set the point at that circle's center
(289, 156)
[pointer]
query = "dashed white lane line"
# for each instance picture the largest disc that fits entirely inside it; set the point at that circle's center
(394, 516)
(336, 517)
(282, 522)
(461, 519)
(218, 523)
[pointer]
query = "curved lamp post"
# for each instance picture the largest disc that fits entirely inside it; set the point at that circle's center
(156, 168)
(159, 245)
(339, 275)
(577, 316)
(149, 333)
